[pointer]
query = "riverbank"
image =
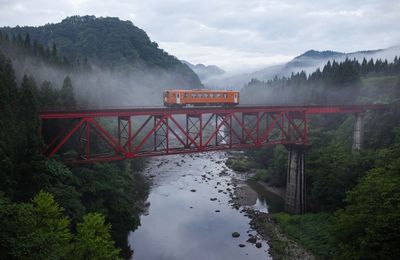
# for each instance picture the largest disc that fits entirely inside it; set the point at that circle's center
(280, 245)
(281, 192)
(245, 195)
(190, 215)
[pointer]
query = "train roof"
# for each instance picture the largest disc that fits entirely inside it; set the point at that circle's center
(202, 90)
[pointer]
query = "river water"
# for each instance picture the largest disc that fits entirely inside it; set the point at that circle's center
(189, 214)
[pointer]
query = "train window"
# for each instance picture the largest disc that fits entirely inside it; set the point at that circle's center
(177, 95)
(186, 95)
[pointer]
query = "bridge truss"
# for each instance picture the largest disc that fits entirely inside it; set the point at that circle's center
(87, 136)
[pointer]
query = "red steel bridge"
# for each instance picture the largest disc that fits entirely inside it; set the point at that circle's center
(97, 135)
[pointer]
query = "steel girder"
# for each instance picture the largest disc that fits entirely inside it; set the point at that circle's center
(116, 134)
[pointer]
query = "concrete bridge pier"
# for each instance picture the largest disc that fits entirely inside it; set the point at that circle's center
(295, 200)
(358, 133)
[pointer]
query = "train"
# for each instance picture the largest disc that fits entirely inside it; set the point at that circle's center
(200, 97)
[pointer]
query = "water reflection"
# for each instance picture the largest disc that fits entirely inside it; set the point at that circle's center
(182, 224)
(267, 201)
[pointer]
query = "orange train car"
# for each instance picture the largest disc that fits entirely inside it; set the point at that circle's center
(200, 97)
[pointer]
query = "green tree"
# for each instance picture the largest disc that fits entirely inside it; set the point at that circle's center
(27, 102)
(36, 230)
(67, 93)
(331, 175)
(369, 226)
(27, 141)
(93, 239)
(48, 96)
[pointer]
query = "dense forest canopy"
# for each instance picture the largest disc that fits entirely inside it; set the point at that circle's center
(107, 41)
(354, 195)
(110, 62)
(49, 210)
(334, 83)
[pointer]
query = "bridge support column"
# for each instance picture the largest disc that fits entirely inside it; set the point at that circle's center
(358, 133)
(295, 200)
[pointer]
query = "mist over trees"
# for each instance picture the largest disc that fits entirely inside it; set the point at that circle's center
(354, 196)
(32, 186)
(110, 62)
(336, 83)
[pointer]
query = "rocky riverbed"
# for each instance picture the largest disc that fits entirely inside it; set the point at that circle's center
(196, 203)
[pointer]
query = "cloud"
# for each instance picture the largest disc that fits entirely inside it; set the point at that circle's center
(234, 34)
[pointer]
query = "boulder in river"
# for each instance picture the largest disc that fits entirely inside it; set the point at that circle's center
(241, 245)
(258, 245)
(235, 234)
(252, 239)
(193, 190)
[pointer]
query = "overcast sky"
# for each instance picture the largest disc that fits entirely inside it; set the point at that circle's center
(234, 34)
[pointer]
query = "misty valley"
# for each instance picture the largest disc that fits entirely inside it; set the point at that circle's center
(113, 148)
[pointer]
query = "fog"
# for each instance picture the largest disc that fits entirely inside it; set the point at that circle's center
(297, 64)
(102, 87)
(143, 86)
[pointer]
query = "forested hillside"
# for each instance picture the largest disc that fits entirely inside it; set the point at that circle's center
(336, 83)
(353, 196)
(107, 42)
(118, 64)
(49, 210)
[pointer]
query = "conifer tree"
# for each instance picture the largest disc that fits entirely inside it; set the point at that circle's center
(67, 93)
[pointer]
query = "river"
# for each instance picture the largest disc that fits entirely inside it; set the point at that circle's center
(190, 215)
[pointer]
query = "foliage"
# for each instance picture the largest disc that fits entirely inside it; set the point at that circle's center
(79, 190)
(36, 230)
(337, 83)
(107, 42)
(67, 94)
(23, 45)
(241, 164)
(368, 227)
(331, 176)
(93, 239)
(262, 175)
(362, 187)
(311, 230)
(274, 161)
(40, 230)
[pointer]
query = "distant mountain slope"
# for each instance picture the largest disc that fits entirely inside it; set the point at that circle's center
(124, 68)
(108, 43)
(205, 72)
(308, 61)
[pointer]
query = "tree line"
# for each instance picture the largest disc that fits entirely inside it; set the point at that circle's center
(24, 46)
(337, 82)
(42, 200)
(359, 190)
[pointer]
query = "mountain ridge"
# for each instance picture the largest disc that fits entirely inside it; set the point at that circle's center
(308, 61)
(107, 42)
(204, 71)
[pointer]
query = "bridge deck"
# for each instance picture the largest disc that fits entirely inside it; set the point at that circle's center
(152, 131)
(127, 111)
